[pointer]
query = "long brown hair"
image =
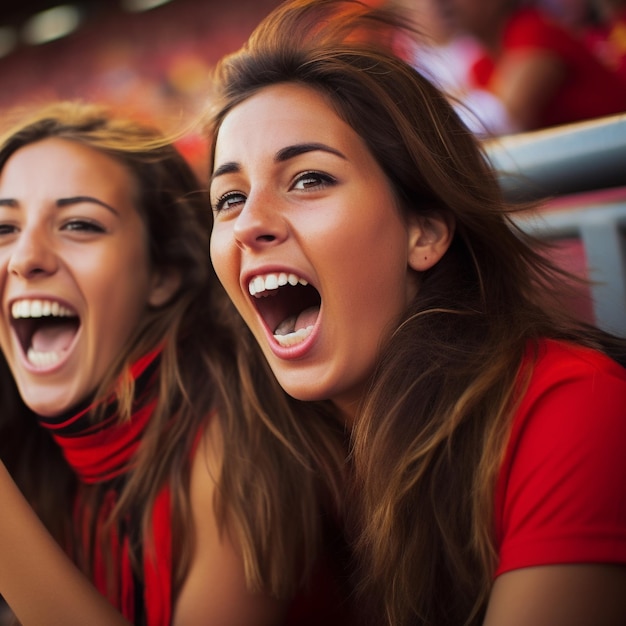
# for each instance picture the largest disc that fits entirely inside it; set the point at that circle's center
(430, 435)
(281, 467)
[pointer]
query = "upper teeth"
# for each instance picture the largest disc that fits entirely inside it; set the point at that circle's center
(40, 308)
(260, 284)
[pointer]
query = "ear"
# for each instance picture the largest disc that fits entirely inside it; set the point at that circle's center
(429, 239)
(164, 285)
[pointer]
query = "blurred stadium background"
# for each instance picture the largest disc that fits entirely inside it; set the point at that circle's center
(146, 57)
(153, 58)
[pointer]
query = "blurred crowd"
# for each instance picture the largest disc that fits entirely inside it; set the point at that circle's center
(155, 65)
(509, 65)
(519, 65)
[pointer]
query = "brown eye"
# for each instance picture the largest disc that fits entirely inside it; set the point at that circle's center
(312, 180)
(83, 226)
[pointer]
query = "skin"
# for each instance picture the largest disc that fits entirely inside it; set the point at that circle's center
(24, 541)
(329, 215)
(215, 591)
(68, 232)
(57, 248)
(317, 212)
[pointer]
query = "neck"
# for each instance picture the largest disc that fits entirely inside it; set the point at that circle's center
(101, 450)
(348, 410)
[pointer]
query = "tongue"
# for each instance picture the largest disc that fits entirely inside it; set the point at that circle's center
(307, 318)
(53, 337)
(293, 323)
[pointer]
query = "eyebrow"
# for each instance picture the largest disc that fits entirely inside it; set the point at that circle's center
(284, 154)
(63, 202)
(291, 152)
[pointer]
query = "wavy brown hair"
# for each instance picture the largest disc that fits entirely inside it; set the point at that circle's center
(282, 460)
(430, 435)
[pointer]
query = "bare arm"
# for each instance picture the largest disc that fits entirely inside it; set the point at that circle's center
(559, 595)
(215, 591)
(39, 582)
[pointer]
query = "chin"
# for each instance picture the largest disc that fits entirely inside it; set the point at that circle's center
(303, 392)
(47, 405)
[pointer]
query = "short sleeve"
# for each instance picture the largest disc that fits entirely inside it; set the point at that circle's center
(561, 492)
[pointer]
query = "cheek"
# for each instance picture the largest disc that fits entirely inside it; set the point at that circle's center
(3, 272)
(375, 273)
(225, 260)
(120, 294)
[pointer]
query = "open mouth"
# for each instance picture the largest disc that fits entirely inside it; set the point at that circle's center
(45, 329)
(288, 304)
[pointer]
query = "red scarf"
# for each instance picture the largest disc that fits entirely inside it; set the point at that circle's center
(104, 452)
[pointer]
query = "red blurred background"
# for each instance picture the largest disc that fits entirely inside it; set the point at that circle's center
(155, 63)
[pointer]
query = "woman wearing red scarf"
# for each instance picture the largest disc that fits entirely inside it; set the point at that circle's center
(137, 419)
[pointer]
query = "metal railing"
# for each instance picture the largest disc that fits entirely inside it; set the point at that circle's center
(565, 161)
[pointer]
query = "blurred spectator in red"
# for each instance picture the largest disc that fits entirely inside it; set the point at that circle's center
(446, 58)
(542, 72)
(607, 38)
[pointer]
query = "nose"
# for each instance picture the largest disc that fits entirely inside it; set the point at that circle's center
(260, 223)
(32, 255)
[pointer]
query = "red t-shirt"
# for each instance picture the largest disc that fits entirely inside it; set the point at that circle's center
(590, 89)
(561, 492)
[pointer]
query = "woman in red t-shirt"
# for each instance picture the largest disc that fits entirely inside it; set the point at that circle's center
(364, 239)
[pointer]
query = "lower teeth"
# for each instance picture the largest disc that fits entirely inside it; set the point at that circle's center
(41, 359)
(292, 338)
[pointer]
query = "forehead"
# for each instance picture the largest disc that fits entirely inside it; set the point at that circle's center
(280, 115)
(63, 166)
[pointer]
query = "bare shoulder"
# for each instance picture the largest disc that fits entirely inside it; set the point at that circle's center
(215, 591)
